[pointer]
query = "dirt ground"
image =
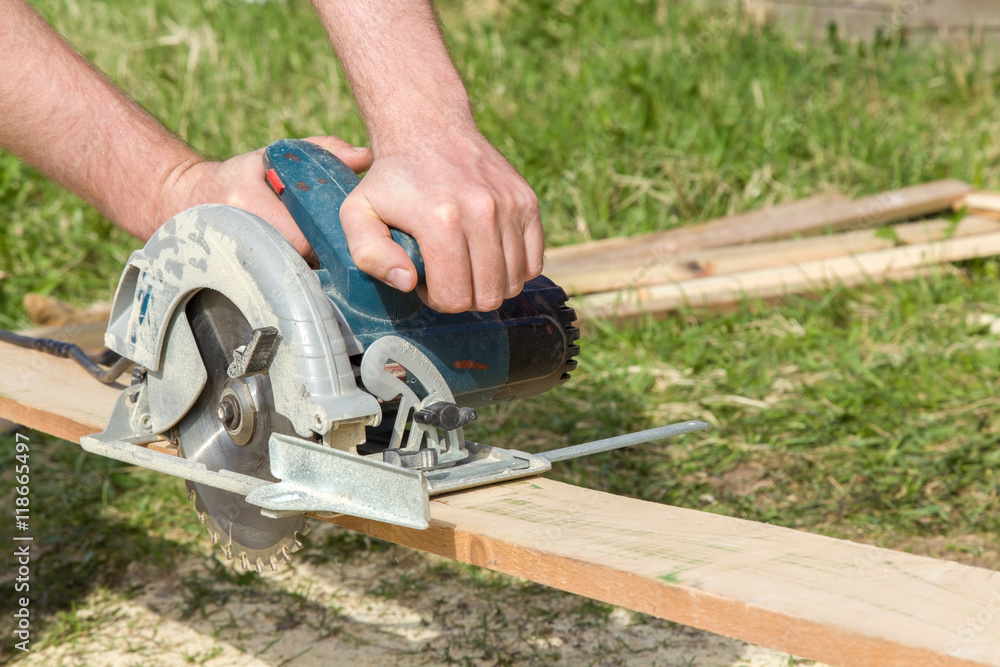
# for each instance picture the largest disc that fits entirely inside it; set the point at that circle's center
(348, 601)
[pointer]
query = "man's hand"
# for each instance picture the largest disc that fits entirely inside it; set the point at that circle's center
(239, 181)
(435, 176)
(473, 216)
(121, 160)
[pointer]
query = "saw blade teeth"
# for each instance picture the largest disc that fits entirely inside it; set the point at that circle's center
(201, 518)
(191, 494)
(250, 559)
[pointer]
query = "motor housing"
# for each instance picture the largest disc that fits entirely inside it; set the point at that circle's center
(525, 347)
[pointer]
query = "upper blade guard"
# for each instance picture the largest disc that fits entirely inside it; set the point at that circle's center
(241, 256)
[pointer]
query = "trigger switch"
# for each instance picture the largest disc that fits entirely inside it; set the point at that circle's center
(275, 182)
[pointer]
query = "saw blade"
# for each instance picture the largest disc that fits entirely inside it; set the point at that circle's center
(242, 531)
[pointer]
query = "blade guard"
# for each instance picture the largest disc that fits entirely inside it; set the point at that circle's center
(236, 253)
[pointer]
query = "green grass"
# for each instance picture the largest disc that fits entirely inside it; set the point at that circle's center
(868, 413)
(872, 411)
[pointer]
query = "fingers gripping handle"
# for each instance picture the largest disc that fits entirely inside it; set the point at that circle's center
(313, 184)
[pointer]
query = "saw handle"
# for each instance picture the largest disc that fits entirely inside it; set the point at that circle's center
(313, 184)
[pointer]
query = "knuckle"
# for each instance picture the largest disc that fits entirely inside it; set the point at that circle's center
(483, 205)
(450, 298)
(452, 305)
(490, 301)
(516, 272)
(534, 208)
(447, 214)
(534, 267)
(525, 199)
(528, 200)
(513, 290)
(366, 256)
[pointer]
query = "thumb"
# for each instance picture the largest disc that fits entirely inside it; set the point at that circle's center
(371, 244)
(358, 158)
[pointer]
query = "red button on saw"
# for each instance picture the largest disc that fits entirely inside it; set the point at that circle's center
(275, 182)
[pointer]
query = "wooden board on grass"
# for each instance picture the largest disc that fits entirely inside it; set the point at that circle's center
(816, 597)
(735, 259)
(800, 218)
(987, 203)
(555, 258)
(783, 280)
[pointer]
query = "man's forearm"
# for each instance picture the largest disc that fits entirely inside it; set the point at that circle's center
(434, 176)
(64, 117)
(404, 81)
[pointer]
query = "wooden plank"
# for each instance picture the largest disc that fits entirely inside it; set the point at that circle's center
(981, 202)
(911, 202)
(779, 281)
(52, 395)
(555, 257)
(866, 18)
(817, 597)
(736, 259)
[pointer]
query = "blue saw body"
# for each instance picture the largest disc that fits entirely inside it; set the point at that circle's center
(523, 348)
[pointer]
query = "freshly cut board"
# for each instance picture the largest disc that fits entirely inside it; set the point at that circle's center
(817, 597)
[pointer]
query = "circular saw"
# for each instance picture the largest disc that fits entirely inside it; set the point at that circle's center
(276, 389)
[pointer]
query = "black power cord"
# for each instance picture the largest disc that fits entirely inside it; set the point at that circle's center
(70, 351)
